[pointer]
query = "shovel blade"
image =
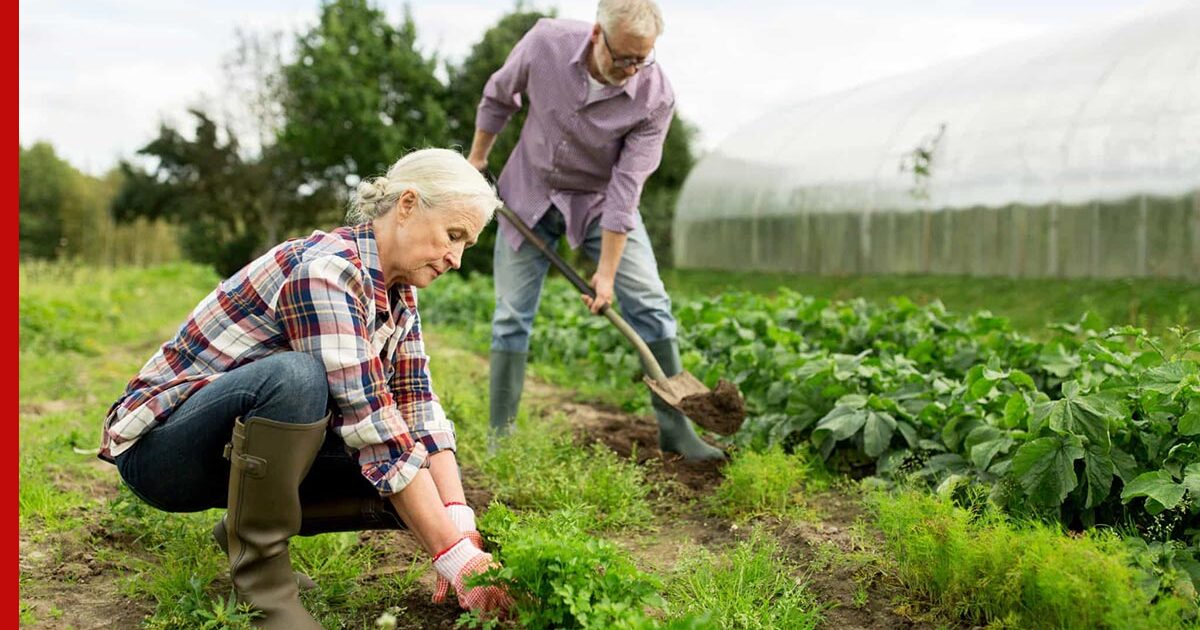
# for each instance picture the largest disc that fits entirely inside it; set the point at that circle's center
(720, 411)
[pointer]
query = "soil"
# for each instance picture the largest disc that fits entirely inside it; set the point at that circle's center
(721, 411)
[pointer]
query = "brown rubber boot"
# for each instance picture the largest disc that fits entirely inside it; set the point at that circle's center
(268, 460)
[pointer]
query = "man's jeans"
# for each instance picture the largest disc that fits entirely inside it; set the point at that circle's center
(519, 276)
(179, 465)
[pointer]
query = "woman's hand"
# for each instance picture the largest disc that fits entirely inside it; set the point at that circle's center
(464, 519)
(462, 561)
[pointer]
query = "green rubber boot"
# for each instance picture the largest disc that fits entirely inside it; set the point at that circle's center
(675, 432)
(506, 379)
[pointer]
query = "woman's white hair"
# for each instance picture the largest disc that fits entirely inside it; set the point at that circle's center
(441, 179)
(640, 18)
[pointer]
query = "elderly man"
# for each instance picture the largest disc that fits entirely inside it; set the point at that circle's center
(599, 109)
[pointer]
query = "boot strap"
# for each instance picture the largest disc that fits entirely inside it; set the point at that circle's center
(255, 467)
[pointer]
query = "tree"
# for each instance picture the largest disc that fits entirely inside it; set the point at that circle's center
(43, 190)
(224, 202)
(462, 99)
(358, 95)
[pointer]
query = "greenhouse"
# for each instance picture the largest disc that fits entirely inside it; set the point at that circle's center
(1071, 155)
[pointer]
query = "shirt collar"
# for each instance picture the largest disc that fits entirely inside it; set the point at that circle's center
(368, 253)
(631, 86)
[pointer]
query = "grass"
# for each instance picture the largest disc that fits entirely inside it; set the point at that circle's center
(750, 587)
(987, 569)
(540, 468)
(1029, 303)
(768, 483)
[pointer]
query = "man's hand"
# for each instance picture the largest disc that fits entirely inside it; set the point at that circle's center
(481, 145)
(602, 283)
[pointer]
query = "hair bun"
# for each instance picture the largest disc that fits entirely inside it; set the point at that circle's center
(372, 189)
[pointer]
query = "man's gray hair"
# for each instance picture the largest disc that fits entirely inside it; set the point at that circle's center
(439, 177)
(640, 18)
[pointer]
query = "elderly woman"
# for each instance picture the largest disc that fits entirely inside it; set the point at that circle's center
(297, 394)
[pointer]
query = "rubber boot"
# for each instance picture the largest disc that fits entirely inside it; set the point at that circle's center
(506, 379)
(675, 432)
(268, 460)
(325, 516)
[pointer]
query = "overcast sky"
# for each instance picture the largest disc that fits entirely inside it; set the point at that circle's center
(98, 76)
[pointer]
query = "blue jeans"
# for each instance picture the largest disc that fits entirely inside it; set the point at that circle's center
(519, 276)
(179, 465)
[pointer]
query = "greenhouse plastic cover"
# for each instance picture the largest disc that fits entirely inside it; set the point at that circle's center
(1065, 118)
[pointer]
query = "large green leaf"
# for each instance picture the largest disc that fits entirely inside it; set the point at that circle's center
(1189, 424)
(1191, 482)
(1045, 468)
(877, 432)
(842, 422)
(1159, 488)
(1165, 378)
(1086, 416)
(1098, 471)
(983, 453)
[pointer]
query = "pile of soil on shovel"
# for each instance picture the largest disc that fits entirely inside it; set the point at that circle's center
(720, 411)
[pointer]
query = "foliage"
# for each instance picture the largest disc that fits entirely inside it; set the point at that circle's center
(993, 570)
(543, 470)
(229, 205)
(750, 587)
(768, 483)
(64, 214)
(1089, 427)
(463, 94)
(560, 577)
(358, 95)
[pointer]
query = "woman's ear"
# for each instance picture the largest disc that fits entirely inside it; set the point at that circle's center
(406, 205)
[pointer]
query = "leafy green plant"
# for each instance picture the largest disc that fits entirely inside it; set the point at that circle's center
(560, 577)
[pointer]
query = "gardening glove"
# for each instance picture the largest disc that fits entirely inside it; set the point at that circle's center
(463, 518)
(460, 562)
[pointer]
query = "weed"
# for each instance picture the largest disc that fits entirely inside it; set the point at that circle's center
(748, 588)
(771, 483)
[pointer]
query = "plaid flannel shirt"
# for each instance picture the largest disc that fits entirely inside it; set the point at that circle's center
(323, 295)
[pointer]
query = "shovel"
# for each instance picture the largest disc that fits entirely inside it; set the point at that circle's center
(720, 411)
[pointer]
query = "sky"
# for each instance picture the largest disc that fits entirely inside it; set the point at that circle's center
(97, 77)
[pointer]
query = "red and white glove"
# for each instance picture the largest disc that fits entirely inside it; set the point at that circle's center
(461, 561)
(463, 518)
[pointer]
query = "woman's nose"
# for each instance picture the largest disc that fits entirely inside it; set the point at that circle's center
(454, 258)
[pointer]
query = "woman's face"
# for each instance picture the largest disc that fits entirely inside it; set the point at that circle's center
(417, 246)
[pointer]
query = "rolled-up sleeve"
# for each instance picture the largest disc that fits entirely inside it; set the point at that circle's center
(640, 156)
(412, 388)
(321, 309)
(502, 92)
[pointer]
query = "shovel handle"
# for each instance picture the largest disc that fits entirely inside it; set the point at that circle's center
(550, 254)
(653, 369)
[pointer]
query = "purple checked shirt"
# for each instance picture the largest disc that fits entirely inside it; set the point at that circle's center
(589, 155)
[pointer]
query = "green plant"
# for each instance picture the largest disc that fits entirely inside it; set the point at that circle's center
(989, 568)
(767, 483)
(542, 469)
(560, 577)
(750, 587)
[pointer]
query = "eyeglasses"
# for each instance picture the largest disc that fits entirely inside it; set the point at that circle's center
(627, 62)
